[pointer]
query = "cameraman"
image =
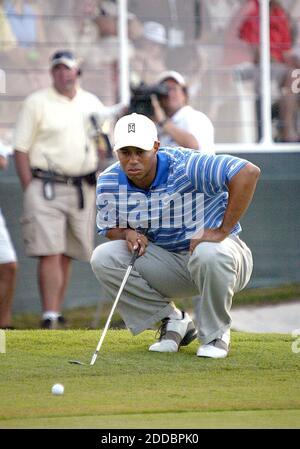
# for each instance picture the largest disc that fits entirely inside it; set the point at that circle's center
(178, 123)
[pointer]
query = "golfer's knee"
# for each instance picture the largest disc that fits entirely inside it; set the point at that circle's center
(208, 256)
(207, 253)
(109, 255)
(101, 258)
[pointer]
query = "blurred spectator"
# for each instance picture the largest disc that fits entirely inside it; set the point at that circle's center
(70, 23)
(280, 30)
(7, 37)
(220, 96)
(179, 123)
(57, 157)
(107, 20)
(26, 23)
(8, 263)
(187, 60)
(101, 57)
(21, 57)
(149, 58)
(283, 58)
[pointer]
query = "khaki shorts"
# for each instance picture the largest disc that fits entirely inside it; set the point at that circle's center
(58, 226)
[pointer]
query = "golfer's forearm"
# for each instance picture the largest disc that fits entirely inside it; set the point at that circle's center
(241, 190)
(181, 137)
(23, 168)
(117, 234)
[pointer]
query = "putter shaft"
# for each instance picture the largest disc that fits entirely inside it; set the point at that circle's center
(130, 266)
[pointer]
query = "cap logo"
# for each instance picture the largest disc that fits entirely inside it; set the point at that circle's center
(131, 128)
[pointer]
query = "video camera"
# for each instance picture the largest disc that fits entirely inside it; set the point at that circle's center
(140, 101)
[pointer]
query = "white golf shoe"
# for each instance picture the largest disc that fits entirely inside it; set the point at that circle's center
(175, 333)
(216, 349)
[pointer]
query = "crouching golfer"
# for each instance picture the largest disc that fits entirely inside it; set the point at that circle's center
(170, 189)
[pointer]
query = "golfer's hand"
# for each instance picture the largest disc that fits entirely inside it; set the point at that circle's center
(134, 240)
(209, 235)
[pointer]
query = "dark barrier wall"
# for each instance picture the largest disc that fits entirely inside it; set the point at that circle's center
(271, 228)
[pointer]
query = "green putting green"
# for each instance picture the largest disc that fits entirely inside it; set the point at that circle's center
(256, 386)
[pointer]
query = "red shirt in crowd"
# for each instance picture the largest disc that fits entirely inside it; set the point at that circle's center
(280, 30)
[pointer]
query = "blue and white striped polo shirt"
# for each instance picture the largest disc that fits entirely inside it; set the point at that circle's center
(185, 181)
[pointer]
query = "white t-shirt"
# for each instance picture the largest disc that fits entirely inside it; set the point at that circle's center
(5, 150)
(7, 251)
(194, 122)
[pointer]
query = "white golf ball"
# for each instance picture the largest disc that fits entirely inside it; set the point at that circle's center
(58, 389)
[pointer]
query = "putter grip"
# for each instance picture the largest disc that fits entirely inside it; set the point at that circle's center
(134, 256)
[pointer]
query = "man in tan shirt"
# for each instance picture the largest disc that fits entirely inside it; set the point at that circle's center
(56, 157)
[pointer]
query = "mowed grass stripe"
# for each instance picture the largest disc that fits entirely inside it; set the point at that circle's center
(250, 419)
(261, 373)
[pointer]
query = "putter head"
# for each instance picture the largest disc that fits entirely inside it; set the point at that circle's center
(76, 362)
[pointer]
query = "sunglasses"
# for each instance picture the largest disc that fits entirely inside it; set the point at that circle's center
(63, 54)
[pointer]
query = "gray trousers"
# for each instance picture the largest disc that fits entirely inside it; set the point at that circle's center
(215, 271)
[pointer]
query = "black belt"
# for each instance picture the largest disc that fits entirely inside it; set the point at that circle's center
(49, 178)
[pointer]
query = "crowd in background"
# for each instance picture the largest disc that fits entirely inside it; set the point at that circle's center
(206, 41)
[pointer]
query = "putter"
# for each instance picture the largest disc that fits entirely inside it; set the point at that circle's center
(130, 266)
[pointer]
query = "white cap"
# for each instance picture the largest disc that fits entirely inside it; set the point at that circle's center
(155, 32)
(173, 75)
(135, 130)
(64, 57)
